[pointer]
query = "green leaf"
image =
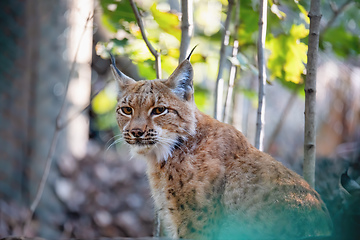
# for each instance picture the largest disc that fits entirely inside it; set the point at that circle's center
(169, 63)
(106, 121)
(147, 69)
(304, 12)
(109, 24)
(169, 22)
(248, 29)
(116, 12)
(343, 42)
(288, 55)
(201, 96)
(249, 93)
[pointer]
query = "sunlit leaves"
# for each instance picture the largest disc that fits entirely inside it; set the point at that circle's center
(147, 69)
(115, 13)
(288, 55)
(207, 17)
(286, 37)
(168, 22)
(114, 46)
(249, 19)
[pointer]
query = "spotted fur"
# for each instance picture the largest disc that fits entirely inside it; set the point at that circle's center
(207, 181)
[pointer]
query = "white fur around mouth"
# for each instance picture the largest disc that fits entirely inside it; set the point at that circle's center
(161, 151)
(137, 149)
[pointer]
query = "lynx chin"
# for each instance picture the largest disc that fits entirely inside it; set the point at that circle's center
(206, 179)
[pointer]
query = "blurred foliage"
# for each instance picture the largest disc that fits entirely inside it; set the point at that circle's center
(342, 37)
(288, 54)
(167, 21)
(342, 41)
(103, 105)
(286, 40)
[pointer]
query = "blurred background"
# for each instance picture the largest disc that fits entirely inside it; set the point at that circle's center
(55, 59)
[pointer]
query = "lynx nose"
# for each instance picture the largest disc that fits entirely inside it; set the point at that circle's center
(136, 132)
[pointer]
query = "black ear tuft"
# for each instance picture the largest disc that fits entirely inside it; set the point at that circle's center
(113, 63)
(192, 50)
(122, 79)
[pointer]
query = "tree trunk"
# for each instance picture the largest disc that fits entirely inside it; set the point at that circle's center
(310, 94)
(219, 81)
(259, 137)
(234, 68)
(186, 27)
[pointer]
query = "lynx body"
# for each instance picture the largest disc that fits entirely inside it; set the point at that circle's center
(207, 180)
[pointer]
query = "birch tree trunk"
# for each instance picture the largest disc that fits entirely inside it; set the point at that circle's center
(233, 69)
(187, 25)
(219, 80)
(310, 94)
(260, 122)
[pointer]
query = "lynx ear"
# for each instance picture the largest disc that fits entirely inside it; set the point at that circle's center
(181, 80)
(121, 78)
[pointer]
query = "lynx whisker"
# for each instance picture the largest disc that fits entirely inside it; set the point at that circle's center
(119, 139)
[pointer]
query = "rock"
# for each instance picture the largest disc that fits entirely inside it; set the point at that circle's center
(128, 222)
(102, 218)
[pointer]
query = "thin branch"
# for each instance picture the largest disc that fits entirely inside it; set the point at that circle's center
(187, 25)
(260, 122)
(58, 118)
(337, 12)
(75, 115)
(310, 94)
(282, 118)
(54, 140)
(155, 53)
(233, 69)
(219, 81)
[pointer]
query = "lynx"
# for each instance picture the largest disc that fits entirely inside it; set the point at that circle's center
(206, 179)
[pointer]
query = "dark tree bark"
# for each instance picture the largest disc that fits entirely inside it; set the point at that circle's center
(310, 94)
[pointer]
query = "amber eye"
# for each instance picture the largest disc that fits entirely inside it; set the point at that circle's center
(126, 110)
(158, 110)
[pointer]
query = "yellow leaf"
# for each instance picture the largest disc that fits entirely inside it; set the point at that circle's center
(304, 12)
(169, 22)
(299, 31)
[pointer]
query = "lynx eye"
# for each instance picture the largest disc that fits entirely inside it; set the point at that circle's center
(126, 110)
(158, 110)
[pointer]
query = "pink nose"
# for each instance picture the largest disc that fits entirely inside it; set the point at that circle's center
(136, 132)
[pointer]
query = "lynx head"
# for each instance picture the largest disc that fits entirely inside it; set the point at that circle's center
(156, 116)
